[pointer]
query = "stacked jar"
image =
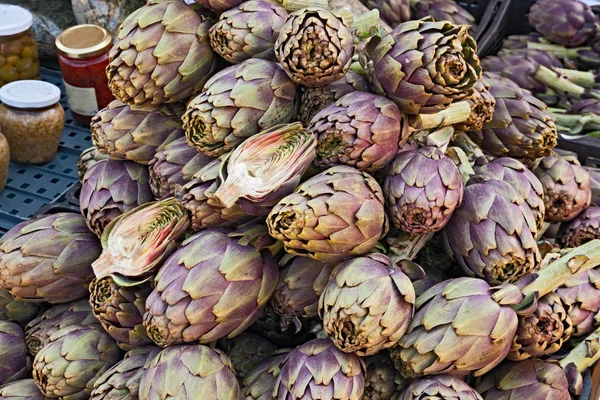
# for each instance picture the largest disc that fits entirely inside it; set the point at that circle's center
(18, 49)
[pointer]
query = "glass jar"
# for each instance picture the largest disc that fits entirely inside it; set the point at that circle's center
(83, 58)
(18, 49)
(4, 161)
(32, 120)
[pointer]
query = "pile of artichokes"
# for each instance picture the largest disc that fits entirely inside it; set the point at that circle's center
(295, 200)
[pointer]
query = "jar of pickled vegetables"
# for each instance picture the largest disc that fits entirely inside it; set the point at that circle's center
(32, 120)
(18, 49)
(4, 161)
(83, 58)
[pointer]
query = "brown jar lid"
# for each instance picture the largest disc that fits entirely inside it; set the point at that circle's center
(83, 41)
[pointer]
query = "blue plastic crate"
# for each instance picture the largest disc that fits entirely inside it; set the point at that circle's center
(30, 187)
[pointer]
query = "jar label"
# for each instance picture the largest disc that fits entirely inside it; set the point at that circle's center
(82, 101)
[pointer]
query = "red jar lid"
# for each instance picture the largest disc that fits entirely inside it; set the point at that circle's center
(84, 41)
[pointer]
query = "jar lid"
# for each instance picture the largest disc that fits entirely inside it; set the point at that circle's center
(29, 94)
(83, 41)
(14, 19)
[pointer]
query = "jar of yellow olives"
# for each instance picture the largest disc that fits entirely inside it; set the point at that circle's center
(18, 49)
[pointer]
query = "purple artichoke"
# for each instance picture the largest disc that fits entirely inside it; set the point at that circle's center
(87, 159)
(362, 130)
(382, 380)
(567, 22)
(482, 105)
(260, 382)
(582, 229)
(439, 387)
(581, 297)
(219, 294)
(25, 389)
(595, 184)
(219, 5)
(16, 363)
(422, 189)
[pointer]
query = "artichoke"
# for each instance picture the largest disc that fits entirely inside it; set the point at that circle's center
(15, 310)
(393, 12)
(424, 66)
(314, 99)
(265, 168)
(314, 47)
(48, 259)
(196, 196)
(16, 363)
(173, 167)
(301, 282)
(332, 216)
(278, 329)
(246, 352)
(135, 244)
(521, 126)
(367, 305)
(362, 130)
(567, 187)
(581, 298)
(25, 389)
(440, 387)
(219, 5)
(443, 10)
(189, 372)
(492, 234)
(595, 184)
(482, 104)
(582, 229)
(248, 31)
(111, 188)
(446, 335)
(523, 181)
(136, 133)
(567, 22)
(68, 366)
(214, 286)
(382, 380)
(39, 331)
(120, 310)
(531, 379)
(238, 102)
(260, 382)
(422, 189)
(543, 332)
(122, 381)
(88, 158)
(162, 55)
(319, 370)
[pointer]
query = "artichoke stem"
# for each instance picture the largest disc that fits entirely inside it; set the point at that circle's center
(364, 24)
(295, 5)
(346, 15)
(585, 354)
(460, 158)
(557, 50)
(474, 152)
(559, 83)
(454, 114)
(577, 123)
(581, 78)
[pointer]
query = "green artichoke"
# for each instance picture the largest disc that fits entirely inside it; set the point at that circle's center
(393, 12)
(362, 130)
(523, 181)
(69, 365)
(16, 363)
(439, 387)
(423, 188)
(424, 66)
(122, 381)
(492, 234)
(248, 31)
(189, 372)
(314, 47)
(521, 126)
(48, 259)
(111, 188)
(319, 370)
(15, 310)
(367, 305)
(196, 196)
(382, 380)
(566, 22)
(543, 332)
(136, 243)
(120, 310)
(87, 159)
(443, 10)
(332, 216)
(173, 167)
(260, 382)
(246, 352)
(265, 168)
(567, 187)
(162, 55)
(446, 335)
(136, 133)
(585, 227)
(214, 286)
(238, 102)
(482, 104)
(581, 298)
(24, 389)
(39, 330)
